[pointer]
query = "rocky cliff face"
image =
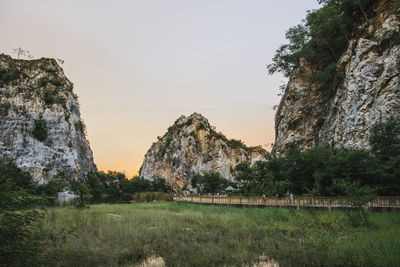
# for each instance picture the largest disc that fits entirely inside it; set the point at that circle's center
(191, 146)
(40, 124)
(370, 91)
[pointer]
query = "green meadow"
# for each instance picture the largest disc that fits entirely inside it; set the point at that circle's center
(184, 234)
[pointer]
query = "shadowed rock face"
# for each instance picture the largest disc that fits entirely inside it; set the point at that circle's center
(40, 124)
(191, 146)
(369, 93)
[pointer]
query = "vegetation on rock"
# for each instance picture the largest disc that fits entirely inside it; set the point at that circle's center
(321, 40)
(40, 129)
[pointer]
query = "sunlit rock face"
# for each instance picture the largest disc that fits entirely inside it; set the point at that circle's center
(370, 91)
(191, 146)
(40, 123)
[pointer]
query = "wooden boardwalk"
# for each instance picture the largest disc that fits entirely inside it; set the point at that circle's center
(298, 202)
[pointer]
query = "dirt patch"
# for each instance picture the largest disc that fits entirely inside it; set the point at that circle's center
(153, 261)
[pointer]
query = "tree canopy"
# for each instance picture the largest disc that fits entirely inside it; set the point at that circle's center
(321, 39)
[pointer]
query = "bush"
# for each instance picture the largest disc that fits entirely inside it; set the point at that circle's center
(233, 143)
(152, 196)
(51, 97)
(385, 139)
(357, 198)
(4, 108)
(211, 182)
(127, 197)
(80, 127)
(9, 75)
(19, 214)
(40, 129)
(49, 79)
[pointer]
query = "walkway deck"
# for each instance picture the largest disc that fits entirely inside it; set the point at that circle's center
(298, 202)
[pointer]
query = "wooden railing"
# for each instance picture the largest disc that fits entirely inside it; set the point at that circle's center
(298, 202)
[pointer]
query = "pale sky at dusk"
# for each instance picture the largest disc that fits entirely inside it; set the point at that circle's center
(139, 65)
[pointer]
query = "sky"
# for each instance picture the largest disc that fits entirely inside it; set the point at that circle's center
(138, 65)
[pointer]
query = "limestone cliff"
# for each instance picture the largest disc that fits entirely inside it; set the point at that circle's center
(191, 146)
(370, 91)
(40, 124)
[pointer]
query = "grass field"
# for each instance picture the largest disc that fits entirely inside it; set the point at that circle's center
(186, 234)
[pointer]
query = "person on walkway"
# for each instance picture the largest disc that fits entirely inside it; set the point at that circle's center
(264, 198)
(291, 197)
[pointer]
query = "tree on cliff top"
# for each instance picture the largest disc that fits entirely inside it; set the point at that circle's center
(321, 39)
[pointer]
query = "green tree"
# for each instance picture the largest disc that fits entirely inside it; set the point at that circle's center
(77, 186)
(385, 139)
(160, 185)
(321, 40)
(210, 182)
(357, 198)
(385, 145)
(19, 215)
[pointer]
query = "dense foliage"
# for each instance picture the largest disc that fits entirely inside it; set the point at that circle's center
(211, 182)
(321, 39)
(152, 196)
(327, 171)
(40, 130)
(101, 187)
(114, 186)
(19, 214)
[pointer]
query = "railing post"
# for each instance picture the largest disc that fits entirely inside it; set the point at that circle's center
(298, 204)
(330, 205)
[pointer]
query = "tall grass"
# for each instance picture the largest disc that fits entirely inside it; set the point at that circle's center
(185, 234)
(152, 196)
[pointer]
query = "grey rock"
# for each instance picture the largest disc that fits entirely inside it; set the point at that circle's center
(192, 146)
(33, 89)
(369, 93)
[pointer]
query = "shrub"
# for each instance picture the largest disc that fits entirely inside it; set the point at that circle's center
(51, 97)
(19, 214)
(357, 198)
(127, 197)
(211, 182)
(188, 122)
(152, 196)
(201, 126)
(385, 139)
(49, 79)
(40, 129)
(233, 143)
(4, 108)
(9, 75)
(80, 127)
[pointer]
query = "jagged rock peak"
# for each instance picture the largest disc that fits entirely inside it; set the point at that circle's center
(192, 146)
(369, 93)
(40, 124)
